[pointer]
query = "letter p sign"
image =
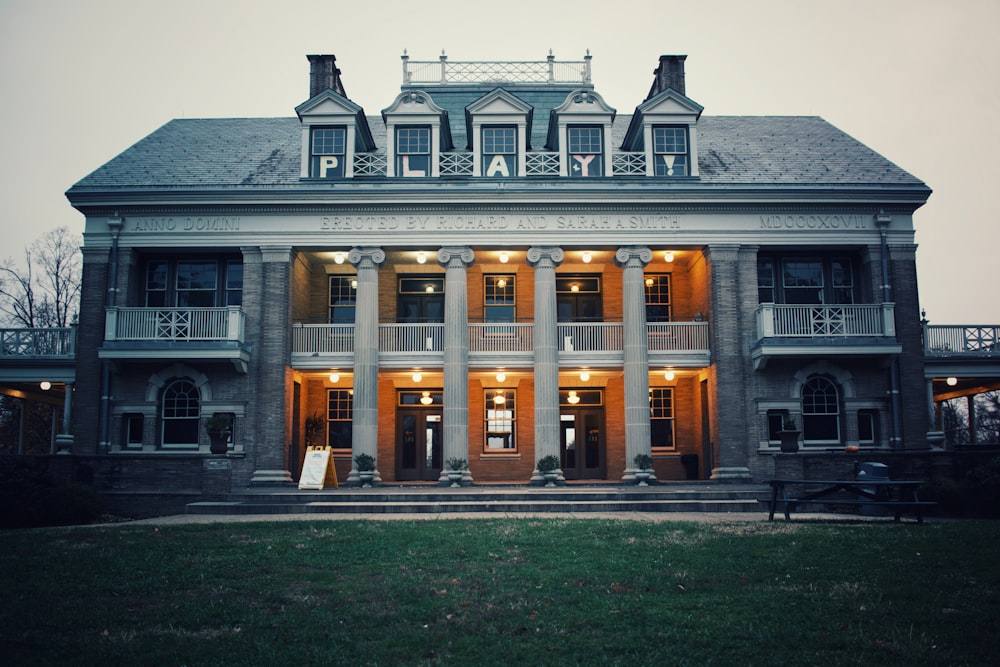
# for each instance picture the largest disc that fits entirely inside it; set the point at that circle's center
(329, 165)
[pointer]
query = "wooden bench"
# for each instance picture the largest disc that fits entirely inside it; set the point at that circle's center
(900, 496)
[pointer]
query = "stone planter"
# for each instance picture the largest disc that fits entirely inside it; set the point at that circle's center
(643, 477)
(455, 477)
(789, 441)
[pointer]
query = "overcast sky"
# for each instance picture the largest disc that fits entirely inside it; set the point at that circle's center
(916, 80)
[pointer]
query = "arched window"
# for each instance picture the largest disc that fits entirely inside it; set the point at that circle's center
(820, 412)
(180, 413)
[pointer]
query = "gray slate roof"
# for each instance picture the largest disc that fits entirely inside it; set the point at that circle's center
(261, 152)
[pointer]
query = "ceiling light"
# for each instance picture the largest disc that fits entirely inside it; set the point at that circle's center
(504, 257)
(669, 376)
(339, 258)
(951, 382)
(501, 283)
(649, 282)
(426, 398)
(334, 377)
(668, 256)
(586, 257)
(429, 288)
(572, 398)
(45, 385)
(501, 376)
(499, 398)
(585, 376)
(574, 288)
(417, 377)
(421, 257)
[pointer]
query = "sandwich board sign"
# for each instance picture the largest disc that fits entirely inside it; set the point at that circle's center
(318, 469)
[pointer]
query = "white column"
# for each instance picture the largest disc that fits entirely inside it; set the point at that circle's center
(456, 358)
(546, 342)
(633, 259)
(364, 438)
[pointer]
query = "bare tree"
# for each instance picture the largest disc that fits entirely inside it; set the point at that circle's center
(45, 291)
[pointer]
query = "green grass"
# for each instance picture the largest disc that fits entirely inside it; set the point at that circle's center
(502, 592)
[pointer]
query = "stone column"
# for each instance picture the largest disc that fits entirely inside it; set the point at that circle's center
(365, 430)
(64, 438)
(270, 456)
(546, 343)
(633, 259)
(456, 358)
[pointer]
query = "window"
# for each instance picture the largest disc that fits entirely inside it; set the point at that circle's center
(499, 151)
(498, 298)
(670, 148)
(578, 299)
(500, 420)
(328, 153)
(413, 151)
(339, 415)
(661, 418)
(180, 413)
(820, 412)
(343, 298)
(133, 424)
(776, 420)
(420, 299)
(193, 283)
(868, 434)
(586, 152)
(657, 297)
(805, 280)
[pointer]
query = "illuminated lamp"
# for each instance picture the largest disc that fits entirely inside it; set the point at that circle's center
(499, 398)
(584, 376)
(586, 257)
(504, 257)
(426, 399)
(668, 376)
(951, 382)
(339, 258)
(573, 399)
(668, 256)
(45, 385)
(334, 377)
(501, 376)
(417, 377)
(421, 257)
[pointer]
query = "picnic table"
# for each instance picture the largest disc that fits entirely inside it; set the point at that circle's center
(900, 496)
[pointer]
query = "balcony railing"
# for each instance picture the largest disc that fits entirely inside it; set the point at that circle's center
(819, 321)
(537, 163)
(174, 324)
(443, 71)
(323, 338)
(411, 338)
(966, 339)
(590, 337)
(498, 337)
(38, 343)
(677, 336)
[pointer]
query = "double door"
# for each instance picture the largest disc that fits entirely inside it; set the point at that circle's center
(418, 444)
(581, 443)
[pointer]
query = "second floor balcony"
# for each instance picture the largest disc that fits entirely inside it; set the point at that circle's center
(824, 330)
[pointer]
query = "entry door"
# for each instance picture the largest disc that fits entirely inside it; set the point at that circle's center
(581, 444)
(418, 445)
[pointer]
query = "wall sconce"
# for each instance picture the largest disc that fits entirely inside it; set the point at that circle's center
(499, 398)
(584, 376)
(417, 377)
(339, 258)
(334, 377)
(45, 385)
(951, 382)
(421, 257)
(668, 256)
(504, 257)
(501, 376)
(426, 399)
(668, 376)
(586, 257)
(572, 399)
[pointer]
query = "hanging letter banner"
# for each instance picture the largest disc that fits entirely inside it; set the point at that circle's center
(315, 469)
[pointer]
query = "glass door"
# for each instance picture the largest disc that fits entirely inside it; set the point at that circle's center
(581, 443)
(418, 445)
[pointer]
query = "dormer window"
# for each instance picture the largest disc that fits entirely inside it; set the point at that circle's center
(670, 151)
(585, 151)
(413, 151)
(499, 154)
(328, 153)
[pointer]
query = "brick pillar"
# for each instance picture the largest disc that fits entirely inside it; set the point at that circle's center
(546, 342)
(915, 419)
(726, 326)
(633, 259)
(365, 407)
(272, 352)
(456, 358)
(90, 334)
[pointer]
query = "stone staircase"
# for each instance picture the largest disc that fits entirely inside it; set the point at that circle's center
(411, 499)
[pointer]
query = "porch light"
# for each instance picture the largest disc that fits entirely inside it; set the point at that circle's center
(339, 258)
(501, 376)
(668, 376)
(421, 257)
(668, 256)
(586, 257)
(504, 257)
(334, 377)
(951, 382)
(573, 398)
(426, 399)
(417, 377)
(499, 398)
(584, 376)
(45, 385)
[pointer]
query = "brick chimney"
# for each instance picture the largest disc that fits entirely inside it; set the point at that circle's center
(324, 74)
(669, 74)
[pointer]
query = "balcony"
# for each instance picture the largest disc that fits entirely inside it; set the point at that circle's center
(970, 352)
(39, 354)
(825, 331)
(202, 334)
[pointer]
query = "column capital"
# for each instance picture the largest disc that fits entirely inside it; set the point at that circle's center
(722, 252)
(549, 256)
(368, 256)
(276, 253)
(633, 255)
(457, 257)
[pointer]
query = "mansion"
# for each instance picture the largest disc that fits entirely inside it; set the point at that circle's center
(494, 267)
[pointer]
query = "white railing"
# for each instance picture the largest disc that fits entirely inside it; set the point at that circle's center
(541, 163)
(812, 321)
(455, 164)
(628, 164)
(174, 324)
(443, 71)
(962, 339)
(536, 163)
(500, 337)
(323, 338)
(677, 336)
(38, 342)
(590, 337)
(410, 337)
(370, 164)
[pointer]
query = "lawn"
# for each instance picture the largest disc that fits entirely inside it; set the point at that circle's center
(502, 592)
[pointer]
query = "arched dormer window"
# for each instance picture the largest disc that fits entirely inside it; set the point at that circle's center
(665, 129)
(499, 127)
(418, 132)
(580, 131)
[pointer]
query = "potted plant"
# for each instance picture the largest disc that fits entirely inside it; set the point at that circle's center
(218, 427)
(548, 466)
(789, 436)
(366, 469)
(643, 468)
(455, 468)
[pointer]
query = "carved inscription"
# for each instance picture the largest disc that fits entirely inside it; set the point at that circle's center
(813, 222)
(345, 223)
(214, 224)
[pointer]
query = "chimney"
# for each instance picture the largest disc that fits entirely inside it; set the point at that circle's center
(670, 74)
(324, 74)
